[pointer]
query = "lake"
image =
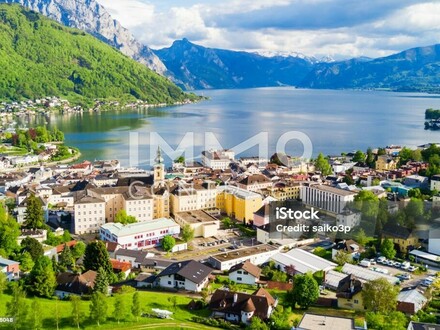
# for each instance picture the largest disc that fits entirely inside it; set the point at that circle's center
(335, 121)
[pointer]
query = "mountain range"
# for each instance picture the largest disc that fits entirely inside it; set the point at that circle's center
(193, 66)
(39, 57)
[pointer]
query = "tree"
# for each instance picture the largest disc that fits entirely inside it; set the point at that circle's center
(98, 308)
(305, 290)
(342, 257)
(168, 243)
(322, 165)
(136, 306)
(3, 282)
(359, 157)
(77, 313)
(320, 251)
(26, 262)
(56, 313)
(120, 308)
(18, 308)
(78, 250)
(387, 249)
(32, 246)
(33, 218)
(65, 260)
(380, 296)
(124, 218)
(36, 317)
(101, 282)
(227, 222)
(361, 237)
(173, 301)
(257, 324)
(187, 233)
(279, 319)
(9, 232)
(42, 280)
(96, 256)
(370, 158)
(389, 321)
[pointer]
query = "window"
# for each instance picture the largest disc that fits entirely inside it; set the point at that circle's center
(356, 301)
(239, 279)
(239, 272)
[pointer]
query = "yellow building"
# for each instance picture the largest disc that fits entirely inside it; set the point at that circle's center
(284, 191)
(386, 163)
(404, 239)
(238, 203)
(349, 294)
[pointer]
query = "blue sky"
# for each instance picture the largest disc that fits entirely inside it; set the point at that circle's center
(339, 28)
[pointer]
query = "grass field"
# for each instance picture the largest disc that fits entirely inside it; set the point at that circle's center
(180, 319)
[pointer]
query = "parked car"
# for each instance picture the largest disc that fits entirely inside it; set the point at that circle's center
(397, 264)
(372, 261)
(412, 268)
(365, 263)
(381, 260)
(426, 282)
(405, 265)
(405, 276)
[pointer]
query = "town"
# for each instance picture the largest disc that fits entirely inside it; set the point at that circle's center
(195, 245)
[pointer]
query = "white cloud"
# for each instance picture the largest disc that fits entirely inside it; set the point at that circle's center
(402, 24)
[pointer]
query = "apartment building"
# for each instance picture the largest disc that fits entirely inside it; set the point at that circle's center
(193, 197)
(89, 214)
(218, 159)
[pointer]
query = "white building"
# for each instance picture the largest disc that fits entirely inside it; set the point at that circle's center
(190, 275)
(137, 236)
(348, 218)
(330, 199)
(303, 261)
(217, 159)
(245, 273)
(435, 182)
(89, 215)
(257, 255)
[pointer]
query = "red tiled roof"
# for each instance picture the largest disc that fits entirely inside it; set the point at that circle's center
(70, 244)
(120, 265)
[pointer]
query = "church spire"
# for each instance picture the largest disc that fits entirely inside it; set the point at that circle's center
(158, 159)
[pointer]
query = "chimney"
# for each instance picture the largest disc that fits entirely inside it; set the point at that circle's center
(235, 299)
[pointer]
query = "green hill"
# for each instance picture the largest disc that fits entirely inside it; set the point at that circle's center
(39, 57)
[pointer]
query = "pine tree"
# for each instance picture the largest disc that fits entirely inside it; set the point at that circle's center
(98, 308)
(136, 306)
(32, 246)
(42, 278)
(101, 282)
(65, 259)
(96, 256)
(33, 218)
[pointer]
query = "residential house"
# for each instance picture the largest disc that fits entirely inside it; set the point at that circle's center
(386, 163)
(349, 294)
(348, 218)
(254, 182)
(410, 301)
(403, 238)
(352, 248)
(75, 284)
(217, 159)
(422, 326)
(416, 181)
(11, 268)
(121, 267)
(190, 275)
(245, 273)
(241, 307)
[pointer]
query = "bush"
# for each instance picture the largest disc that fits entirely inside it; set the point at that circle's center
(219, 323)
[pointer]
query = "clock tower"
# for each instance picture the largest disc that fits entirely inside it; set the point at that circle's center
(159, 168)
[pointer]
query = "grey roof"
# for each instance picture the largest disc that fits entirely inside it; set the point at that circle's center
(192, 270)
(423, 326)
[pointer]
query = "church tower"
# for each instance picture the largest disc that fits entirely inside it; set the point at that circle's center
(159, 168)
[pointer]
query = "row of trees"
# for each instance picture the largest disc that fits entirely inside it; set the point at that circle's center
(30, 315)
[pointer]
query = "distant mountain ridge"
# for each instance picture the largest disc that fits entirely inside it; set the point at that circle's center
(90, 16)
(198, 67)
(415, 69)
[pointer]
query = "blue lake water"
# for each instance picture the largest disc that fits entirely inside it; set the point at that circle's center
(335, 122)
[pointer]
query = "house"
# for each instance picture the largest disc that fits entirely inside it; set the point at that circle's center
(254, 182)
(416, 181)
(348, 246)
(386, 163)
(76, 284)
(245, 273)
(311, 321)
(422, 326)
(349, 293)
(302, 261)
(257, 254)
(134, 257)
(348, 218)
(145, 280)
(121, 267)
(217, 159)
(11, 268)
(410, 301)
(190, 275)
(403, 238)
(241, 307)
